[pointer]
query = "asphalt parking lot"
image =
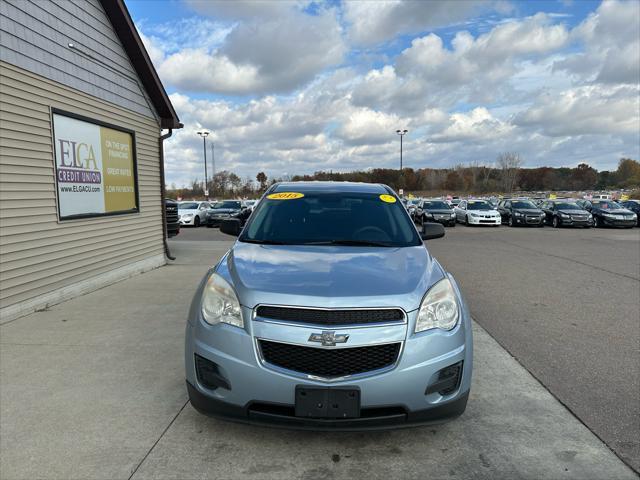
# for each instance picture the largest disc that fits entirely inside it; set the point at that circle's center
(94, 387)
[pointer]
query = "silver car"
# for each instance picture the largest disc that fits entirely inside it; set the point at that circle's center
(328, 312)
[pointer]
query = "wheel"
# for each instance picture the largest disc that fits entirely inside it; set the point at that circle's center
(597, 223)
(453, 224)
(555, 222)
(510, 221)
(196, 222)
(466, 221)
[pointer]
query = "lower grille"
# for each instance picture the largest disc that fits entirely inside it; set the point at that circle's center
(328, 363)
(330, 317)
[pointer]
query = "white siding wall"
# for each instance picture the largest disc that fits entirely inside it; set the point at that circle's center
(38, 254)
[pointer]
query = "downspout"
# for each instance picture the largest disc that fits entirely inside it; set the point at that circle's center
(163, 192)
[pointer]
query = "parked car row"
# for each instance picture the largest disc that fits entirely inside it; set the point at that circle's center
(211, 214)
(516, 212)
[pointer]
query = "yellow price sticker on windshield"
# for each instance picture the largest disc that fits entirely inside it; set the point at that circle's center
(388, 198)
(285, 196)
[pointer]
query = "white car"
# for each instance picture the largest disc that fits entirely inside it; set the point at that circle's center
(477, 212)
(193, 213)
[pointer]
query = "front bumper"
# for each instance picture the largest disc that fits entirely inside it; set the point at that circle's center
(270, 414)
(216, 221)
(484, 221)
(535, 221)
(572, 222)
(186, 221)
(612, 222)
(262, 393)
(449, 221)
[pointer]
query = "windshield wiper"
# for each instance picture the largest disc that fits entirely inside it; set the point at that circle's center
(357, 243)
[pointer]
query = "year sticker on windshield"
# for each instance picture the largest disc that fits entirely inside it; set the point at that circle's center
(285, 196)
(388, 198)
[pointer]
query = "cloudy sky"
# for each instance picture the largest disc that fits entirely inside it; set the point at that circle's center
(298, 86)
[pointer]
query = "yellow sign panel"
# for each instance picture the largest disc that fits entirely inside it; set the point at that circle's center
(388, 198)
(552, 196)
(624, 198)
(285, 196)
(117, 167)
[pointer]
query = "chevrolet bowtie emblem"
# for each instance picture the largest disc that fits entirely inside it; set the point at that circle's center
(328, 339)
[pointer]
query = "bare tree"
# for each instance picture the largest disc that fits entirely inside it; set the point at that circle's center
(509, 163)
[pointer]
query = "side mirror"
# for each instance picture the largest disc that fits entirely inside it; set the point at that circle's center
(431, 231)
(231, 226)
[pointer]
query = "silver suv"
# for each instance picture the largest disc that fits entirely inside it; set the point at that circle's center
(328, 312)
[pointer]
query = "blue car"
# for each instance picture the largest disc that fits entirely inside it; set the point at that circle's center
(329, 313)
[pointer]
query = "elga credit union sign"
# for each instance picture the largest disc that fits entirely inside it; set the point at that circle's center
(95, 167)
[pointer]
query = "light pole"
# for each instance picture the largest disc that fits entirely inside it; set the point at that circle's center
(204, 134)
(402, 133)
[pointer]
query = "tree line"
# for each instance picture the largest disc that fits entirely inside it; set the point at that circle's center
(506, 175)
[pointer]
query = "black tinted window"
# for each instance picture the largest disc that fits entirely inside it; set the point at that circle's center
(329, 217)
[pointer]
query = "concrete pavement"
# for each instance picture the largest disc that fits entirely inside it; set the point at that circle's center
(94, 388)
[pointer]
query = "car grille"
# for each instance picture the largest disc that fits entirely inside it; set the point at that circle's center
(330, 317)
(579, 218)
(171, 213)
(533, 219)
(328, 363)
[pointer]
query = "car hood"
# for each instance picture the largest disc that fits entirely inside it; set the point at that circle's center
(616, 211)
(529, 211)
(182, 211)
(330, 276)
(224, 210)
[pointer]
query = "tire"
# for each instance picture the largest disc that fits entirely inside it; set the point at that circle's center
(510, 221)
(453, 224)
(466, 221)
(555, 222)
(196, 222)
(597, 223)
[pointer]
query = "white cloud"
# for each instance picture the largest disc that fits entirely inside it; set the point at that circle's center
(585, 110)
(375, 21)
(475, 126)
(611, 36)
(274, 53)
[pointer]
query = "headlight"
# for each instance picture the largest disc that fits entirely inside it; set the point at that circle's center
(220, 303)
(564, 215)
(439, 308)
(590, 217)
(453, 214)
(474, 214)
(518, 214)
(188, 215)
(608, 214)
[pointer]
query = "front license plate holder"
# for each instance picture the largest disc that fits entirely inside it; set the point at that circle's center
(317, 402)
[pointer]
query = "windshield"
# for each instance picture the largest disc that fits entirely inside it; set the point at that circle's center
(479, 206)
(228, 204)
(332, 218)
(523, 204)
(567, 206)
(436, 205)
(188, 206)
(606, 205)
